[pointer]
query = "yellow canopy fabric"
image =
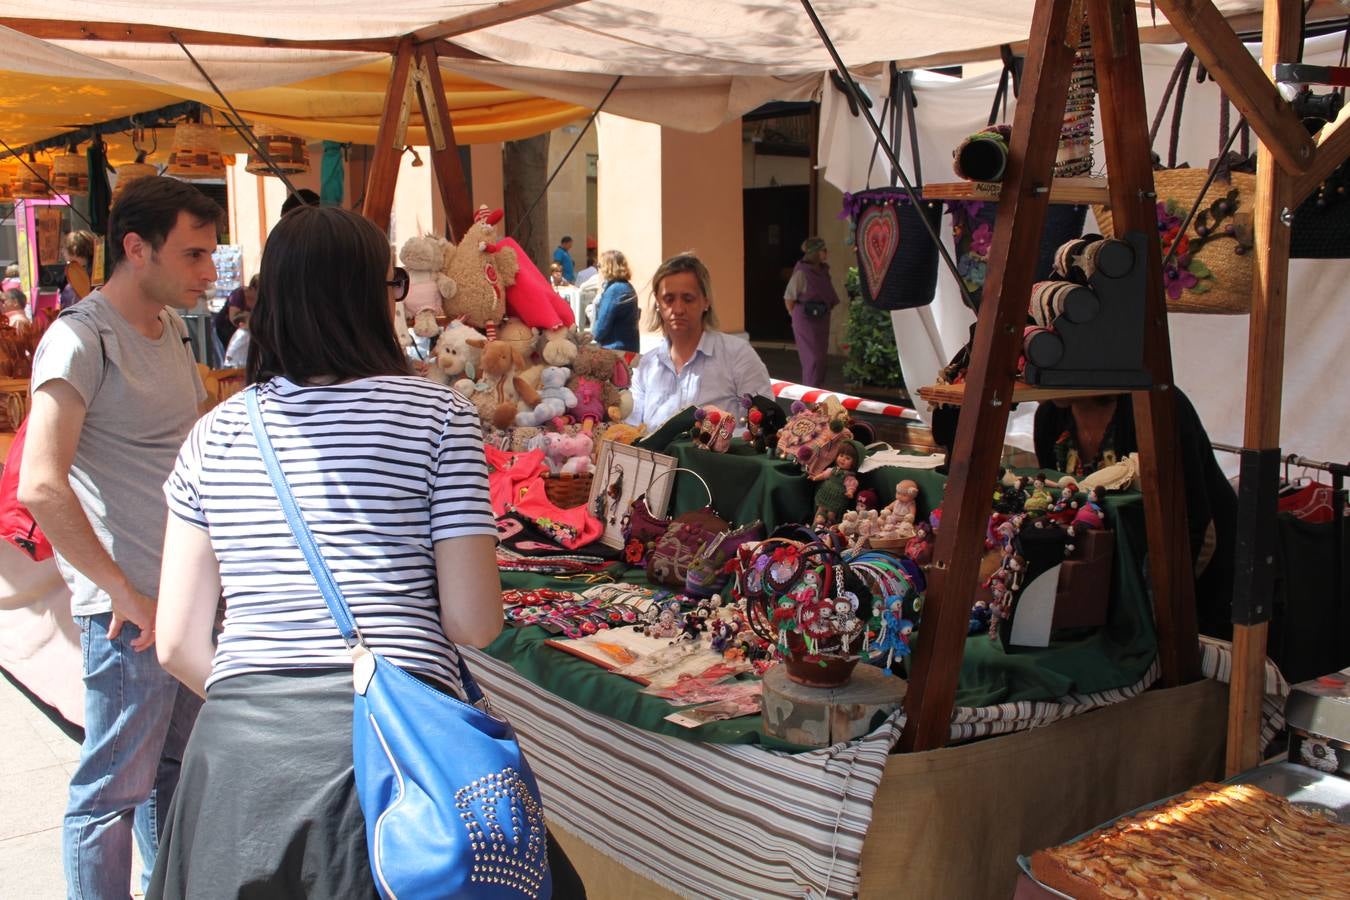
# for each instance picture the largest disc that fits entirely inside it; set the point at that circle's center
(344, 106)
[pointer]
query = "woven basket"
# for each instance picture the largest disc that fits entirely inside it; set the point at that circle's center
(70, 175)
(9, 171)
(1229, 289)
(567, 491)
(130, 173)
(28, 181)
(289, 154)
(196, 152)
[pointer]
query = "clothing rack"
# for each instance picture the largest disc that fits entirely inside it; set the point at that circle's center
(1338, 472)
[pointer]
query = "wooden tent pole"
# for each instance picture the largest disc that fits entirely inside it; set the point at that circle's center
(1254, 583)
(1115, 45)
(383, 175)
(454, 189)
(954, 574)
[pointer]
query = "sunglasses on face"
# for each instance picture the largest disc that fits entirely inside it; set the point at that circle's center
(399, 284)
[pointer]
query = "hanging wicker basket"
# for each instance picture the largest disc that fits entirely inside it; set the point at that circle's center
(1216, 276)
(196, 152)
(289, 153)
(30, 181)
(8, 172)
(70, 175)
(129, 173)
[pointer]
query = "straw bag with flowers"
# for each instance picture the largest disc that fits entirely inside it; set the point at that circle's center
(1210, 270)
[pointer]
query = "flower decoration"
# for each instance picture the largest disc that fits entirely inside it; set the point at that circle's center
(981, 239)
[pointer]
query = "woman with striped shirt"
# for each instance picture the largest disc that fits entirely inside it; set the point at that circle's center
(388, 470)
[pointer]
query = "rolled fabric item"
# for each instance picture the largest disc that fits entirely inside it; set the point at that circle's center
(1068, 259)
(1114, 259)
(1087, 260)
(1078, 304)
(1040, 307)
(983, 156)
(1042, 347)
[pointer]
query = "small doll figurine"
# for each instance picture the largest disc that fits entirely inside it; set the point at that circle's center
(898, 517)
(1040, 500)
(892, 641)
(838, 485)
(867, 500)
(920, 547)
(1090, 514)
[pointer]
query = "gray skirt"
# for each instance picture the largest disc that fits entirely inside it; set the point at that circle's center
(266, 805)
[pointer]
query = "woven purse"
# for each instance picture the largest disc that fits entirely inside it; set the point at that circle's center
(1212, 270)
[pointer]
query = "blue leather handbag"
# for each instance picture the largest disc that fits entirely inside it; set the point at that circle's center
(451, 807)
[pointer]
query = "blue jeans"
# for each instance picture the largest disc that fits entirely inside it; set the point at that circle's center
(137, 719)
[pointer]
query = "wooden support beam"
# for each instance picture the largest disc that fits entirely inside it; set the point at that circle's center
(130, 32)
(1281, 40)
(954, 574)
(1333, 147)
(507, 11)
(1115, 45)
(450, 179)
(383, 176)
(1217, 46)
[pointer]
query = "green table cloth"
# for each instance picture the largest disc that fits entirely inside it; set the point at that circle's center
(746, 486)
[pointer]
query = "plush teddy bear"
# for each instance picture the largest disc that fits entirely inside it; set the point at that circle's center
(557, 347)
(568, 453)
(588, 407)
(481, 270)
(622, 432)
(500, 389)
(428, 287)
(609, 369)
(453, 355)
(554, 398)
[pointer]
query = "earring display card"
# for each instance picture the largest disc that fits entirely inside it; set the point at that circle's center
(622, 474)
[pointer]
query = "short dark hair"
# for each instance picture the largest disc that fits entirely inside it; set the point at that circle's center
(323, 306)
(565, 239)
(150, 206)
(302, 197)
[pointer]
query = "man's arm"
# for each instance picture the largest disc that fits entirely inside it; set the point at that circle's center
(54, 426)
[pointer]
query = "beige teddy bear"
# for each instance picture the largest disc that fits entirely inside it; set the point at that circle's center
(428, 287)
(481, 271)
(500, 391)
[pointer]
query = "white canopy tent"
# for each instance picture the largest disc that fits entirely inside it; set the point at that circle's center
(690, 65)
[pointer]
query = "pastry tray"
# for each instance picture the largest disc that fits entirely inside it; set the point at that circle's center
(1302, 786)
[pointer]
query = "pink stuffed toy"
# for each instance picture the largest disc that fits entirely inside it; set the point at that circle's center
(568, 453)
(588, 407)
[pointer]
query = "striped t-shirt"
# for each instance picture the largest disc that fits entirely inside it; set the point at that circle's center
(381, 468)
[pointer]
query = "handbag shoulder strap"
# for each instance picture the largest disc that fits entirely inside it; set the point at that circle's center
(332, 594)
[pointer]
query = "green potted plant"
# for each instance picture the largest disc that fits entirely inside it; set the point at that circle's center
(869, 342)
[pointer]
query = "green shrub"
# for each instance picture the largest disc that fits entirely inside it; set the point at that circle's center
(869, 342)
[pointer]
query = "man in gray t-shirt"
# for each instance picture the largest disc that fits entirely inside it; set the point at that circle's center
(115, 390)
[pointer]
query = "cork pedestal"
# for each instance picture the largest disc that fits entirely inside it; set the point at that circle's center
(819, 717)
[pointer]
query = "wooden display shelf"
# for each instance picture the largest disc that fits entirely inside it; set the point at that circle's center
(954, 394)
(1062, 190)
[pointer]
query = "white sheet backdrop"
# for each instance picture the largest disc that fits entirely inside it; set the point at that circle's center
(1209, 353)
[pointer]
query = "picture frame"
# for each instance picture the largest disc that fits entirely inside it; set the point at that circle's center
(622, 474)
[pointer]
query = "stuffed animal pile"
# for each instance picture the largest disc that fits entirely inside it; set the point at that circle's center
(509, 345)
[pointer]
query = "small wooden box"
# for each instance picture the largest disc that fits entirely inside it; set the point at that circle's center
(821, 717)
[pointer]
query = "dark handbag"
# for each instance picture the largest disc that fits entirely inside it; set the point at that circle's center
(816, 309)
(668, 557)
(897, 257)
(642, 528)
(1321, 226)
(973, 220)
(451, 807)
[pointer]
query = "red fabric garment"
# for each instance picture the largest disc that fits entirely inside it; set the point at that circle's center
(531, 299)
(1311, 503)
(16, 523)
(516, 484)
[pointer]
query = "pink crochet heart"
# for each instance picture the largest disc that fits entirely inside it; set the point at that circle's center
(879, 237)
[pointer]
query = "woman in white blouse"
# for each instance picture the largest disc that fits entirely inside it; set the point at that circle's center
(695, 364)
